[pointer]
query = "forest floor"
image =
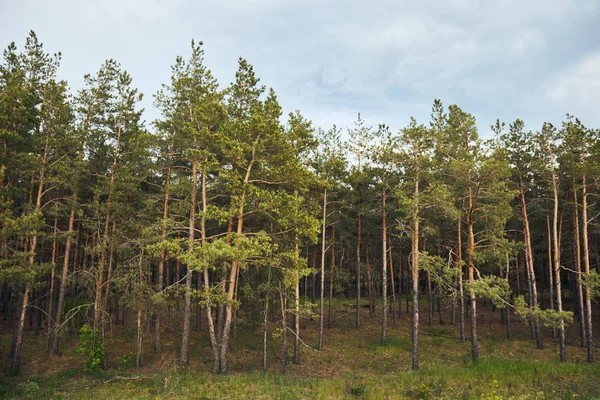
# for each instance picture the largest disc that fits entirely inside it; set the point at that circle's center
(353, 364)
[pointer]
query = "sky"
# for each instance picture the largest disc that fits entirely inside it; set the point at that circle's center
(331, 59)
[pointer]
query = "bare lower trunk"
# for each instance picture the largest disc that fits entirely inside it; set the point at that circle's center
(161, 262)
(49, 310)
(63, 279)
(582, 309)
(561, 328)
(507, 307)
(187, 312)
(529, 263)
(138, 358)
(393, 282)
(284, 345)
(459, 273)
(331, 276)
(415, 279)
(384, 272)
(323, 248)
(471, 271)
(358, 273)
(370, 285)
(586, 264)
(550, 266)
(18, 335)
(297, 305)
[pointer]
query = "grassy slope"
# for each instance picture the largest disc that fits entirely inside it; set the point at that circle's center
(353, 364)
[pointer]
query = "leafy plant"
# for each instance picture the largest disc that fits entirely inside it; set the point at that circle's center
(91, 347)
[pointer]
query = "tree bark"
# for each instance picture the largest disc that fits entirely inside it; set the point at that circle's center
(63, 279)
(187, 312)
(577, 239)
(529, 263)
(415, 278)
(161, 262)
(323, 249)
(384, 270)
(561, 329)
(586, 264)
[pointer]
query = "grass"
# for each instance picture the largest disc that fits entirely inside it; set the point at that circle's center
(353, 364)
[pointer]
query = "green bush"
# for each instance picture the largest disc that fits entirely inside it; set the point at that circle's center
(91, 347)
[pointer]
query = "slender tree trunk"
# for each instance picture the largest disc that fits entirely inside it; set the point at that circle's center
(323, 249)
(331, 275)
(63, 279)
(138, 357)
(459, 273)
(111, 255)
(187, 312)
(384, 270)
(561, 329)
(50, 309)
(370, 285)
(507, 307)
(550, 266)
(161, 262)
(529, 263)
(415, 278)
(358, 273)
(430, 304)
(471, 271)
(284, 346)
(18, 338)
(297, 302)
(577, 239)
(586, 264)
(393, 305)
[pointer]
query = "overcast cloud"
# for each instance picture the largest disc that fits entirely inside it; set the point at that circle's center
(535, 60)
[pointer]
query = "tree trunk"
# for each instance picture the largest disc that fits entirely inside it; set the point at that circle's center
(138, 357)
(284, 345)
(331, 275)
(63, 279)
(586, 264)
(358, 284)
(529, 263)
(370, 285)
(18, 336)
(104, 245)
(384, 271)
(471, 271)
(415, 278)
(187, 312)
(297, 303)
(323, 249)
(577, 239)
(393, 304)
(561, 329)
(459, 273)
(49, 310)
(550, 266)
(161, 262)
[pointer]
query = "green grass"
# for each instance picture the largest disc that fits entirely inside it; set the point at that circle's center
(353, 364)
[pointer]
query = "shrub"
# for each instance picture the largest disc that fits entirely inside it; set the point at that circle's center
(91, 347)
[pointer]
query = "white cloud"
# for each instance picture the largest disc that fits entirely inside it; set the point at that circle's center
(578, 86)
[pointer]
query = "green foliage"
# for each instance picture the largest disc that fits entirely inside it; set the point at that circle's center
(491, 287)
(548, 317)
(125, 362)
(91, 347)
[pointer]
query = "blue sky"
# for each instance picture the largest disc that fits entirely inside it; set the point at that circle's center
(535, 60)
